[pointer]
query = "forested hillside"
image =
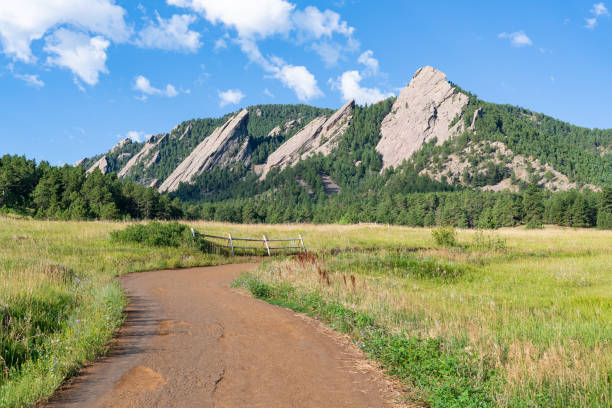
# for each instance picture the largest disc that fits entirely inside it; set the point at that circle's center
(45, 191)
(481, 165)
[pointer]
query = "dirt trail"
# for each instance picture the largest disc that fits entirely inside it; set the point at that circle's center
(190, 340)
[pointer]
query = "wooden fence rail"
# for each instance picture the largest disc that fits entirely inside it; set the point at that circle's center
(266, 242)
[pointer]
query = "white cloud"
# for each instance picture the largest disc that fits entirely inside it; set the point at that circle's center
(268, 93)
(371, 63)
(22, 22)
(170, 34)
(142, 84)
(249, 18)
(31, 80)
(599, 9)
(231, 96)
(517, 39)
(296, 78)
(349, 84)
(330, 52)
(220, 44)
(84, 56)
(300, 80)
(171, 91)
(591, 23)
(315, 23)
(255, 20)
(135, 135)
(250, 48)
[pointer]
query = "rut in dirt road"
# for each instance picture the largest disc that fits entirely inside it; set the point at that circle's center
(190, 340)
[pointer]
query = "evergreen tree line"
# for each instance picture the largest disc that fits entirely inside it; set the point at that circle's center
(465, 209)
(66, 192)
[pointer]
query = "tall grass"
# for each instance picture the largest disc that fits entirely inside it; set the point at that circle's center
(530, 312)
(515, 318)
(59, 300)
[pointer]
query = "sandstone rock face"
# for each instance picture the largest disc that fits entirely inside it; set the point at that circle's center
(149, 145)
(187, 130)
(152, 160)
(122, 143)
(223, 146)
(284, 128)
(423, 110)
(321, 135)
(477, 113)
(101, 164)
(79, 162)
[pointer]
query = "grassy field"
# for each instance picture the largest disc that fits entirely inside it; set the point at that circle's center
(59, 300)
(515, 317)
(505, 318)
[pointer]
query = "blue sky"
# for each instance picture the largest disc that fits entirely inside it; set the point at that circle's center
(78, 76)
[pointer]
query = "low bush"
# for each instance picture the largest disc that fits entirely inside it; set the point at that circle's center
(258, 288)
(170, 234)
(486, 242)
(445, 236)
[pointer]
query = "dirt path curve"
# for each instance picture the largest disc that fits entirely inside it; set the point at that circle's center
(191, 341)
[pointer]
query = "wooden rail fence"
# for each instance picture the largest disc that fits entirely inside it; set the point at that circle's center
(299, 242)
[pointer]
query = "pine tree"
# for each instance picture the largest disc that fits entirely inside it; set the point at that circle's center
(579, 213)
(604, 215)
(533, 206)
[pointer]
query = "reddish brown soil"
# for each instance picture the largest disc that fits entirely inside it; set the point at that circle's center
(190, 340)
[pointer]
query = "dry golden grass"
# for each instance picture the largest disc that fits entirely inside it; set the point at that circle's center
(540, 310)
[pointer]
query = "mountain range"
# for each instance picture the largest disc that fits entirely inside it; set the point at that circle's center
(433, 128)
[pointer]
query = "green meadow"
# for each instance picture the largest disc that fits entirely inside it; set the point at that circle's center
(511, 317)
(60, 301)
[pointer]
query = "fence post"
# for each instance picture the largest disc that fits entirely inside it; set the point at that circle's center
(231, 243)
(302, 242)
(193, 233)
(267, 246)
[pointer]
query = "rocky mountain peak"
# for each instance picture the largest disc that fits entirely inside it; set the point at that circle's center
(147, 148)
(225, 145)
(101, 164)
(321, 135)
(122, 143)
(423, 111)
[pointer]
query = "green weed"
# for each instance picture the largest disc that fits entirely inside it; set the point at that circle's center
(170, 234)
(445, 236)
(440, 375)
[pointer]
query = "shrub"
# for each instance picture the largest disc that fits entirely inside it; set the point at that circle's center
(487, 242)
(256, 286)
(445, 236)
(534, 224)
(154, 234)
